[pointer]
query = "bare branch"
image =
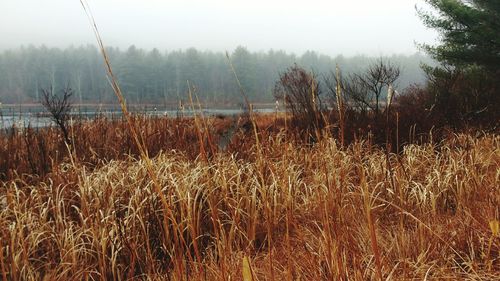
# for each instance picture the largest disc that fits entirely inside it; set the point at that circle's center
(59, 108)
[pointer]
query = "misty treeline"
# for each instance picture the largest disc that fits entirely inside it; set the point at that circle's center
(152, 76)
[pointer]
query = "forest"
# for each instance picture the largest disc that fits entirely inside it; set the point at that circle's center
(153, 76)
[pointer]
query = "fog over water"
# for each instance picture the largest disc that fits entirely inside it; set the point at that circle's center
(330, 27)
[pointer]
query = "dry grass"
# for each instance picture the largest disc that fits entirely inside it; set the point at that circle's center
(34, 154)
(290, 212)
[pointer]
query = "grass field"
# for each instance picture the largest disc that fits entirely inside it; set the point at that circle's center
(276, 210)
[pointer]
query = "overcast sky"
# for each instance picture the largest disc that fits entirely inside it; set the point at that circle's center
(348, 27)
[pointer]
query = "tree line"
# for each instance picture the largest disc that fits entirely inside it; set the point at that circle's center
(153, 76)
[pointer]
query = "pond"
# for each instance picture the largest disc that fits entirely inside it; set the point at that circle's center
(37, 117)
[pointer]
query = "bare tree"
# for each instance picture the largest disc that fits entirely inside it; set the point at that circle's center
(364, 90)
(59, 108)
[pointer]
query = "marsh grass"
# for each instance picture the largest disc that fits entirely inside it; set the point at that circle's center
(315, 213)
(32, 154)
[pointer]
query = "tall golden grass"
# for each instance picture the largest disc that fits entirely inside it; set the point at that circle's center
(293, 212)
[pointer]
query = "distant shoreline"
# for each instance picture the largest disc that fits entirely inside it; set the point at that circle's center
(144, 105)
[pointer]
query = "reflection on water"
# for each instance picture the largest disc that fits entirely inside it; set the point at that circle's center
(24, 121)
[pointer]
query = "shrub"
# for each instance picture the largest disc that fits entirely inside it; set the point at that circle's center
(301, 92)
(466, 96)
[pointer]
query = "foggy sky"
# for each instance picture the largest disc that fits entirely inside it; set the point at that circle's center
(347, 27)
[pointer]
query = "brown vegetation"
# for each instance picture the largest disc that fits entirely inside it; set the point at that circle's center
(255, 198)
(33, 153)
(284, 210)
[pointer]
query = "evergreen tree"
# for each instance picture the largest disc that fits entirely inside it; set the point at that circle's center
(470, 31)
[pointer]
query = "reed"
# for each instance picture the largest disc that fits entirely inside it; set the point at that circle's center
(322, 212)
(340, 104)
